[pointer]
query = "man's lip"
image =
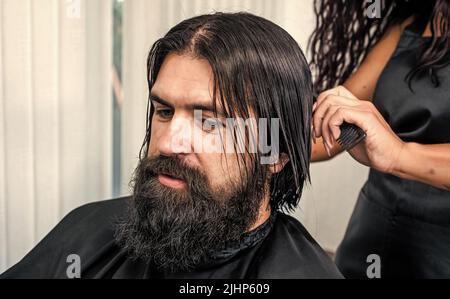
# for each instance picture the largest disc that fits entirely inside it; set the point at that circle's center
(171, 181)
(171, 175)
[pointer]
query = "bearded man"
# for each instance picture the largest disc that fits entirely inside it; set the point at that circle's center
(208, 192)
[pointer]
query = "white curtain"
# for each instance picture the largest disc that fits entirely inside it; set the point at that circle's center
(55, 115)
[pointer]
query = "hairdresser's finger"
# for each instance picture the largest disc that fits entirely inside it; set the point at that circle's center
(325, 94)
(342, 91)
(336, 99)
(319, 114)
(327, 149)
(313, 135)
(337, 91)
(322, 109)
(325, 129)
(352, 115)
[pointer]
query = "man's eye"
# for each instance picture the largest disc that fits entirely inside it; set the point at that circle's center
(211, 125)
(164, 113)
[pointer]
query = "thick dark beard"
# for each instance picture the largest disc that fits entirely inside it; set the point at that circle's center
(176, 230)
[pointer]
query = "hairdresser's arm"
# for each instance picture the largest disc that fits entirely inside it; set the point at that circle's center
(362, 82)
(319, 152)
(427, 163)
(382, 149)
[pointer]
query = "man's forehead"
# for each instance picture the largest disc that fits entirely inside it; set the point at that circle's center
(184, 79)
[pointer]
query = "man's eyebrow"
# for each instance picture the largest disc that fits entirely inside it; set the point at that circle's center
(157, 99)
(193, 106)
(206, 108)
(202, 107)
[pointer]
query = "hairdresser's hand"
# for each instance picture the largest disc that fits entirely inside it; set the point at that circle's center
(381, 147)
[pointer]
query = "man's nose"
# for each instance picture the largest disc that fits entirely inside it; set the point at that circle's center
(178, 138)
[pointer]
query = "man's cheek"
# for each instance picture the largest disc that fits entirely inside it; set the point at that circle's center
(151, 150)
(222, 171)
(156, 136)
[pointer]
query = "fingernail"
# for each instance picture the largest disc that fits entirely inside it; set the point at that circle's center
(330, 141)
(335, 134)
(328, 150)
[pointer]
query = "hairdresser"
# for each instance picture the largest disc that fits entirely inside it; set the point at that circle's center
(386, 70)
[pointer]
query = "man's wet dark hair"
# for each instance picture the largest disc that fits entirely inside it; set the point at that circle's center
(257, 67)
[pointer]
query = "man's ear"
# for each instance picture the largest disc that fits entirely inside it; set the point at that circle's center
(279, 165)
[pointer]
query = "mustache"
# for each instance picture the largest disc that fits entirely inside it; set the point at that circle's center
(151, 167)
(146, 177)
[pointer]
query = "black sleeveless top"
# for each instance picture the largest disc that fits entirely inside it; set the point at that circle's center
(404, 222)
(419, 115)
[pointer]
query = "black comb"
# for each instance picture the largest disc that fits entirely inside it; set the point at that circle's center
(350, 135)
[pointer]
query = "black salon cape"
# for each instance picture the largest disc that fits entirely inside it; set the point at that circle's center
(287, 251)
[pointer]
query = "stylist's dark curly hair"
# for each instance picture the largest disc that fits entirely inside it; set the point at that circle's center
(344, 34)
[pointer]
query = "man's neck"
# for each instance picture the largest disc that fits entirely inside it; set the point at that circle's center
(263, 214)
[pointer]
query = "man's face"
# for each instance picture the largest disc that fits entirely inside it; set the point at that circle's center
(184, 84)
(187, 202)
